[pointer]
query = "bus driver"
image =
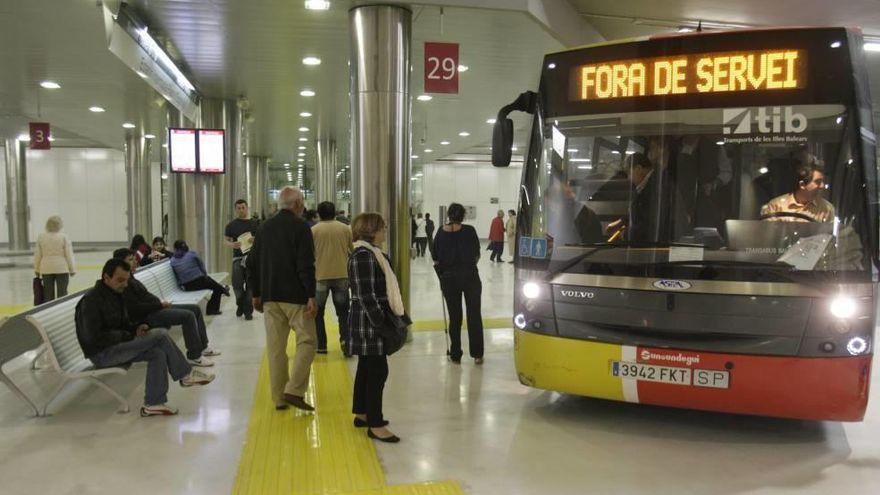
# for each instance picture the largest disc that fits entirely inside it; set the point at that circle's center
(805, 203)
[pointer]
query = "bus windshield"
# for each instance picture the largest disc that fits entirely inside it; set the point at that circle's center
(710, 193)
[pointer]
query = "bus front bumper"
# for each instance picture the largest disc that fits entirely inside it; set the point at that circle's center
(789, 387)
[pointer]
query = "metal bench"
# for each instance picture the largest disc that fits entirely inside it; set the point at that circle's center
(15, 340)
(159, 279)
(57, 327)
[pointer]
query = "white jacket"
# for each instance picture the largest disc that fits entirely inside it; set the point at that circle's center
(53, 254)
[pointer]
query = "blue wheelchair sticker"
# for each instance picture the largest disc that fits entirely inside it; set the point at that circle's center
(539, 248)
(525, 247)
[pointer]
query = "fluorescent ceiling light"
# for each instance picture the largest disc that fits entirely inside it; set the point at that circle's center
(429, 150)
(96, 109)
(464, 134)
(763, 170)
(317, 4)
(286, 165)
(152, 136)
(164, 145)
(414, 156)
(312, 61)
(300, 154)
(302, 139)
(300, 160)
(444, 143)
(150, 45)
(490, 121)
(301, 148)
(835, 44)
(872, 46)
(685, 29)
(129, 125)
(513, 148)
(587, 160)
(463, 68)
(307, 92)
(50, 85)
(303, 129)
(24, 137)
(585, 167)
(551, 66)
(424, 97)
(573, 150)
(305, 114)
(141, 74)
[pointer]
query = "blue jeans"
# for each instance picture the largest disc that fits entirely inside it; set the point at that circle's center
(341, 302)
(162, 357)
(188, 316)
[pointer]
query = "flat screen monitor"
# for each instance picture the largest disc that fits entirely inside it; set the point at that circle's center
(212, 159)
(182, 150)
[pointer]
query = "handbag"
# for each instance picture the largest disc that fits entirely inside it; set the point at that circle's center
(395, 331)
(39, 292)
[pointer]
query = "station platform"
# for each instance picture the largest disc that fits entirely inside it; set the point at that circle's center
(465, 429)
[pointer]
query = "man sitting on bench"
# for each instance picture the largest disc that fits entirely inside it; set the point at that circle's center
(144, 307)
(109, 338)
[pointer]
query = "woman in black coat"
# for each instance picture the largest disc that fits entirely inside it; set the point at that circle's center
(375, 296)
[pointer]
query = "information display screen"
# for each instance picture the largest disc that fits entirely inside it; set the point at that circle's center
(182, 150)
(212, 159)
(757, 70)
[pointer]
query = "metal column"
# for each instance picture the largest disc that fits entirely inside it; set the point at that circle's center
(257, 184)
(139, 186)
(325, 171)
(381, 123)
(17, 209)
(218, 190)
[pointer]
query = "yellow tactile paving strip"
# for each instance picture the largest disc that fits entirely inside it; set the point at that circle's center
(291, 452)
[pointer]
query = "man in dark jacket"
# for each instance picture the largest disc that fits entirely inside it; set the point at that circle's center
(144, 307)
(281, 267)
(109, 338)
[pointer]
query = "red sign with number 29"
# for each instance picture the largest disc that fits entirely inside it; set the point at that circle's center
(441, 68)
(39, 133)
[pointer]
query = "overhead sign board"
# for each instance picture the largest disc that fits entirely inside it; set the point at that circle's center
(758, 70)
(39, 134)
(441, 68)
(182, 150)
(211, 144)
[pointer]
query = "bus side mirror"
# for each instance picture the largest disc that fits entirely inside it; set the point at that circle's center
(502, 142)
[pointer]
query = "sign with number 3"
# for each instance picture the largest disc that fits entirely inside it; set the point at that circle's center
(441, 68)
(39, 132)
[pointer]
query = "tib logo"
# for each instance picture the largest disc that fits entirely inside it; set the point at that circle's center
(775, 120)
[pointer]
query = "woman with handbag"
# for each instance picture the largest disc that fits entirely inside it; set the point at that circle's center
(374, 321)
(53, 260)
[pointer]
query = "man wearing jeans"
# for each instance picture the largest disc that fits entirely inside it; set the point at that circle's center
(109, 338)
(144, 307)
(281, 267)
(240, 225)
(332, 249)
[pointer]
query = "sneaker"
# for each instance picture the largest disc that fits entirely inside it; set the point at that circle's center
(160, 410)
(209, 351)
(201, 362)
(196, 377)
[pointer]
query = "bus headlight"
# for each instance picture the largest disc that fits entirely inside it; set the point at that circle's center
(843, 307)
(520, 321)
(856, 346)
(531, 290)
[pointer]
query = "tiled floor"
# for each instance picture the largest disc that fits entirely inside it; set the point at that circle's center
(476, 426)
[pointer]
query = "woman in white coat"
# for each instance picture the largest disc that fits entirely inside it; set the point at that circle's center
(53, 259)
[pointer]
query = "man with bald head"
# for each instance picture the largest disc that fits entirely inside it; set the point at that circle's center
(281, 266)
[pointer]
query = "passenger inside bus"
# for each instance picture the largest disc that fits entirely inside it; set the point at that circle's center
(805, 203)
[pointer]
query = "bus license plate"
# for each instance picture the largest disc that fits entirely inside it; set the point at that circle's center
(671, 374)
(651, 373)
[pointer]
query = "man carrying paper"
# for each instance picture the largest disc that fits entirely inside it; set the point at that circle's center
(240, 237)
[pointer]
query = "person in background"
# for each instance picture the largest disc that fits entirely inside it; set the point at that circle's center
(496, 237)
(144, 307)
(456, 253)
(510, 229)
(374, 293)
(311, 217)
(191, 275)
(332, 249)
(805, 202)
(159, 252)
(420, 236)
(430, 228)
(342, 217)
(239, 226)
(141, 249)
(281, 270)
(53, 259)
(109, 338)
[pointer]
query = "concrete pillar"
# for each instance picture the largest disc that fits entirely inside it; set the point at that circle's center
(257, 184)
(381, 123)
(218, 191)
(17, 209)
(139, 186)
(325, 171)
(180, 187)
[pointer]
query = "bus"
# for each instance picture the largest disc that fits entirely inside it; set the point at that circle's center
(698, 223)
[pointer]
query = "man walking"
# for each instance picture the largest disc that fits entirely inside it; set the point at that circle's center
(109, 338)
(242, 224)
(496, 237)
(281, 269)
(332, 249)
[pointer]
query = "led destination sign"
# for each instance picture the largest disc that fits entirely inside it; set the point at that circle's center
(762, 70)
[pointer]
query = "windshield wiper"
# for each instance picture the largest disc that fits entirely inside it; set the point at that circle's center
(601, 246)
